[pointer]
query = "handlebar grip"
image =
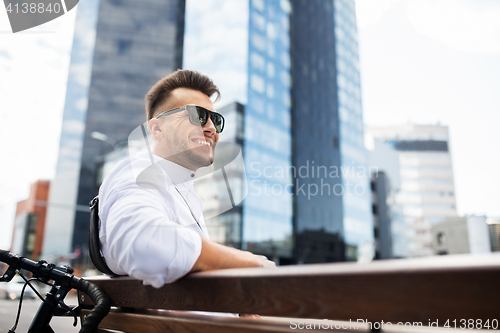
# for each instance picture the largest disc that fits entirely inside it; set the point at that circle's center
(101, 309)
(6, 257)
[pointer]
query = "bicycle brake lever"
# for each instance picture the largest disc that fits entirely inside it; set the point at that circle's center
(8, 275)
(75, 311)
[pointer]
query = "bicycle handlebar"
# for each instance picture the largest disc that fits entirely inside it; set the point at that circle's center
(51, 272)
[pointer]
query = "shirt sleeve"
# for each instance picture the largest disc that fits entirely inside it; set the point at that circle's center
(141, 238)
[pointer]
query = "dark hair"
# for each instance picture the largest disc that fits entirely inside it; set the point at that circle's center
(182, 78)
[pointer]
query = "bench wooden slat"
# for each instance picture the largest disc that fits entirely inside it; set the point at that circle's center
(156, 321)
(102, 330)
(438, 288)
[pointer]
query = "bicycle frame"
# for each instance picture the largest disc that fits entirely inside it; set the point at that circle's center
(41, 321)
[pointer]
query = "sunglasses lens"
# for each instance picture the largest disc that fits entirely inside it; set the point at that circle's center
(199, 116)
(218, 122)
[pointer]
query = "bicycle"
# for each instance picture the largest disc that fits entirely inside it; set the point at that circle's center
(61, 280)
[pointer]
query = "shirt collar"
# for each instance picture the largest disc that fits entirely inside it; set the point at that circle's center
(177, 173)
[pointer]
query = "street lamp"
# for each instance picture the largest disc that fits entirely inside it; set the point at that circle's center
(102, 137)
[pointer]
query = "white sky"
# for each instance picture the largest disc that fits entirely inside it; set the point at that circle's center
(430, 61)
(424, 61)
(33, 74)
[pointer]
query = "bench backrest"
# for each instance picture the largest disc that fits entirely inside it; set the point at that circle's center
(436, 289)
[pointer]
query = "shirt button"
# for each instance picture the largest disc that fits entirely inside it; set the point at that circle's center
(192, 175)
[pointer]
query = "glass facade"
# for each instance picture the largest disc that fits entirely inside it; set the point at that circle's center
(356, 199)
(126, 47)
(64, 188)
(267, 210)
(225, 61)
(216, 44)
(316, 154)
(251, 65)
(293, 143)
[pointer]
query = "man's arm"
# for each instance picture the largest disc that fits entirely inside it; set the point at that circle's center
(217, 256)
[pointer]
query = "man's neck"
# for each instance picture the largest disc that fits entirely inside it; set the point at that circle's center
(191, 168)
(175, 160)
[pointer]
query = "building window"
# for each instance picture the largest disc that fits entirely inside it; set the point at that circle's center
(285, 119)
(286, 99)
(270, 90)
(285, 59)
(257, 83)
(270, 111)
(259, 21)
(286, 79)
(270, 69)
(272, 32)
(257, 61)
(258, 41)
(258, 4)
(258, 104)
(124, 46)
(285, 6)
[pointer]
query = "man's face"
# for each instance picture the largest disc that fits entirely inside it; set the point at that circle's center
(177, 139)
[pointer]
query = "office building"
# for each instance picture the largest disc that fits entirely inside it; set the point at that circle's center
(120, 49)
(289, 76)
(388, 222)
(294, 67)
(380, 186)
(461, 234)
(494, 230)
(427, 194)
(29, 224)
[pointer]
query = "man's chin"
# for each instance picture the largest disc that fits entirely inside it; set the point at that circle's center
(203, 160)
(208, 162)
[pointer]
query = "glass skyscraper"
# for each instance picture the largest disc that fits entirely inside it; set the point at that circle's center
(316, 151)
(356, 199)
(294, 67)
(120, 49)
(251, 64)
(64, 190)
(267, 209)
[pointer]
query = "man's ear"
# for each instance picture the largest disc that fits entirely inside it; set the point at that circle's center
(154, 128)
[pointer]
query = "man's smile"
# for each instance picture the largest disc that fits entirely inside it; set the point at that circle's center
(202, 142)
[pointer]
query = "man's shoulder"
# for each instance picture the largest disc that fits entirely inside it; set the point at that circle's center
(136, 163)
(131, 183)
(137, 170)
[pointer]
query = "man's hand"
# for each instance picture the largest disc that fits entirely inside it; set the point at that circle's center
(260, 261)
(267, 263)
(250, 316)
(216, 256)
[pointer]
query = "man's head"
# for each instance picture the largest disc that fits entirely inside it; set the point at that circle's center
(175, 135)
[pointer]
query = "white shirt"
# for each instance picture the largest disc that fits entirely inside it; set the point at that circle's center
(147, 228)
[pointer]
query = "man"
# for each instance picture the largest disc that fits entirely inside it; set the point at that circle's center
(152, 227)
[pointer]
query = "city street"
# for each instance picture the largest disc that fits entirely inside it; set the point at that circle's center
(8, 311)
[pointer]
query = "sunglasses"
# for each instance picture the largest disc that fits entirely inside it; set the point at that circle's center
(199, 116)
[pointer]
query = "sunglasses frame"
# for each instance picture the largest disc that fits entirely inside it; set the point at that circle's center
(195, 108)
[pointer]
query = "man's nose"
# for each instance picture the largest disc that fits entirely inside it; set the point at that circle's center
(209, 127)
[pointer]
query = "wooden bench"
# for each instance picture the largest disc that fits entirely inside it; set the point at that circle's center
(437, 289)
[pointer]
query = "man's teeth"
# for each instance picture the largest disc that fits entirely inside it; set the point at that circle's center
(203, 143)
